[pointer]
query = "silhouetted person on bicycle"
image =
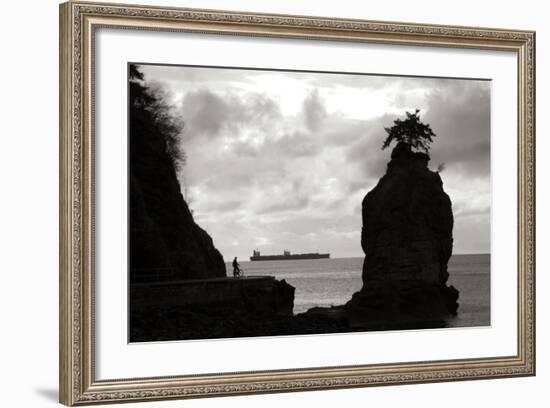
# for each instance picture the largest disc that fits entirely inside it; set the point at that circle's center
(236, 268)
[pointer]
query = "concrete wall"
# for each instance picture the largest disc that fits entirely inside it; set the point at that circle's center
(256, 292)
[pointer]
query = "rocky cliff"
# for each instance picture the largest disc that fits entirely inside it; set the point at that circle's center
(165, 241)
(407, 240)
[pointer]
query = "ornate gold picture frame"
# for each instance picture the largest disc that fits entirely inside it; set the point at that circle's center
(79, 22)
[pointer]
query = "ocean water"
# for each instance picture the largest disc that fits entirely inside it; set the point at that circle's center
(331, 282)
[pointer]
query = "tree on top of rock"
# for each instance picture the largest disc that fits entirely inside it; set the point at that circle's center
(410, 131)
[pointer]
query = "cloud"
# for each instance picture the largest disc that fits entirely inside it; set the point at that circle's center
(460, 115)
(175, 76)
(283, 159)
(226, 205)
(365, 81)
(283, 195)
(206, 113)
(211, 114)
(458, 112)
(295, 144)
(367, 150)
(314, 111)
(283, 204)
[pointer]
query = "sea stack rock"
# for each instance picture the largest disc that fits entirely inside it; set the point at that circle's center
(407, 239)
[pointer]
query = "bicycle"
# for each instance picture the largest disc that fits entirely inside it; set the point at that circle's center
(238, 273)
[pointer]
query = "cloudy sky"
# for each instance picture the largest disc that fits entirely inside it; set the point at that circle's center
(282, 160)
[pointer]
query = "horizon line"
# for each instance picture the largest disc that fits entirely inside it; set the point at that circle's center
(362, 256)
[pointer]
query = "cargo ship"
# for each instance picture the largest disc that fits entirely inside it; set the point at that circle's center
(286, 256)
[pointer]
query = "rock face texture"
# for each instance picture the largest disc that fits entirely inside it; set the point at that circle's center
(165, 242)
(407, 240)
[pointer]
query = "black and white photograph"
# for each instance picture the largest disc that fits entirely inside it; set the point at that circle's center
(268, 202)
(253, 204)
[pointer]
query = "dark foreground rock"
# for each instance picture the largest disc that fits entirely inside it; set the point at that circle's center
(407, 240)
(209, 308)
(212, 323)
(225, 308)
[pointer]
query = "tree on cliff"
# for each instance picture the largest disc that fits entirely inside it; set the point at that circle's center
(150, 106)
(410, 131)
